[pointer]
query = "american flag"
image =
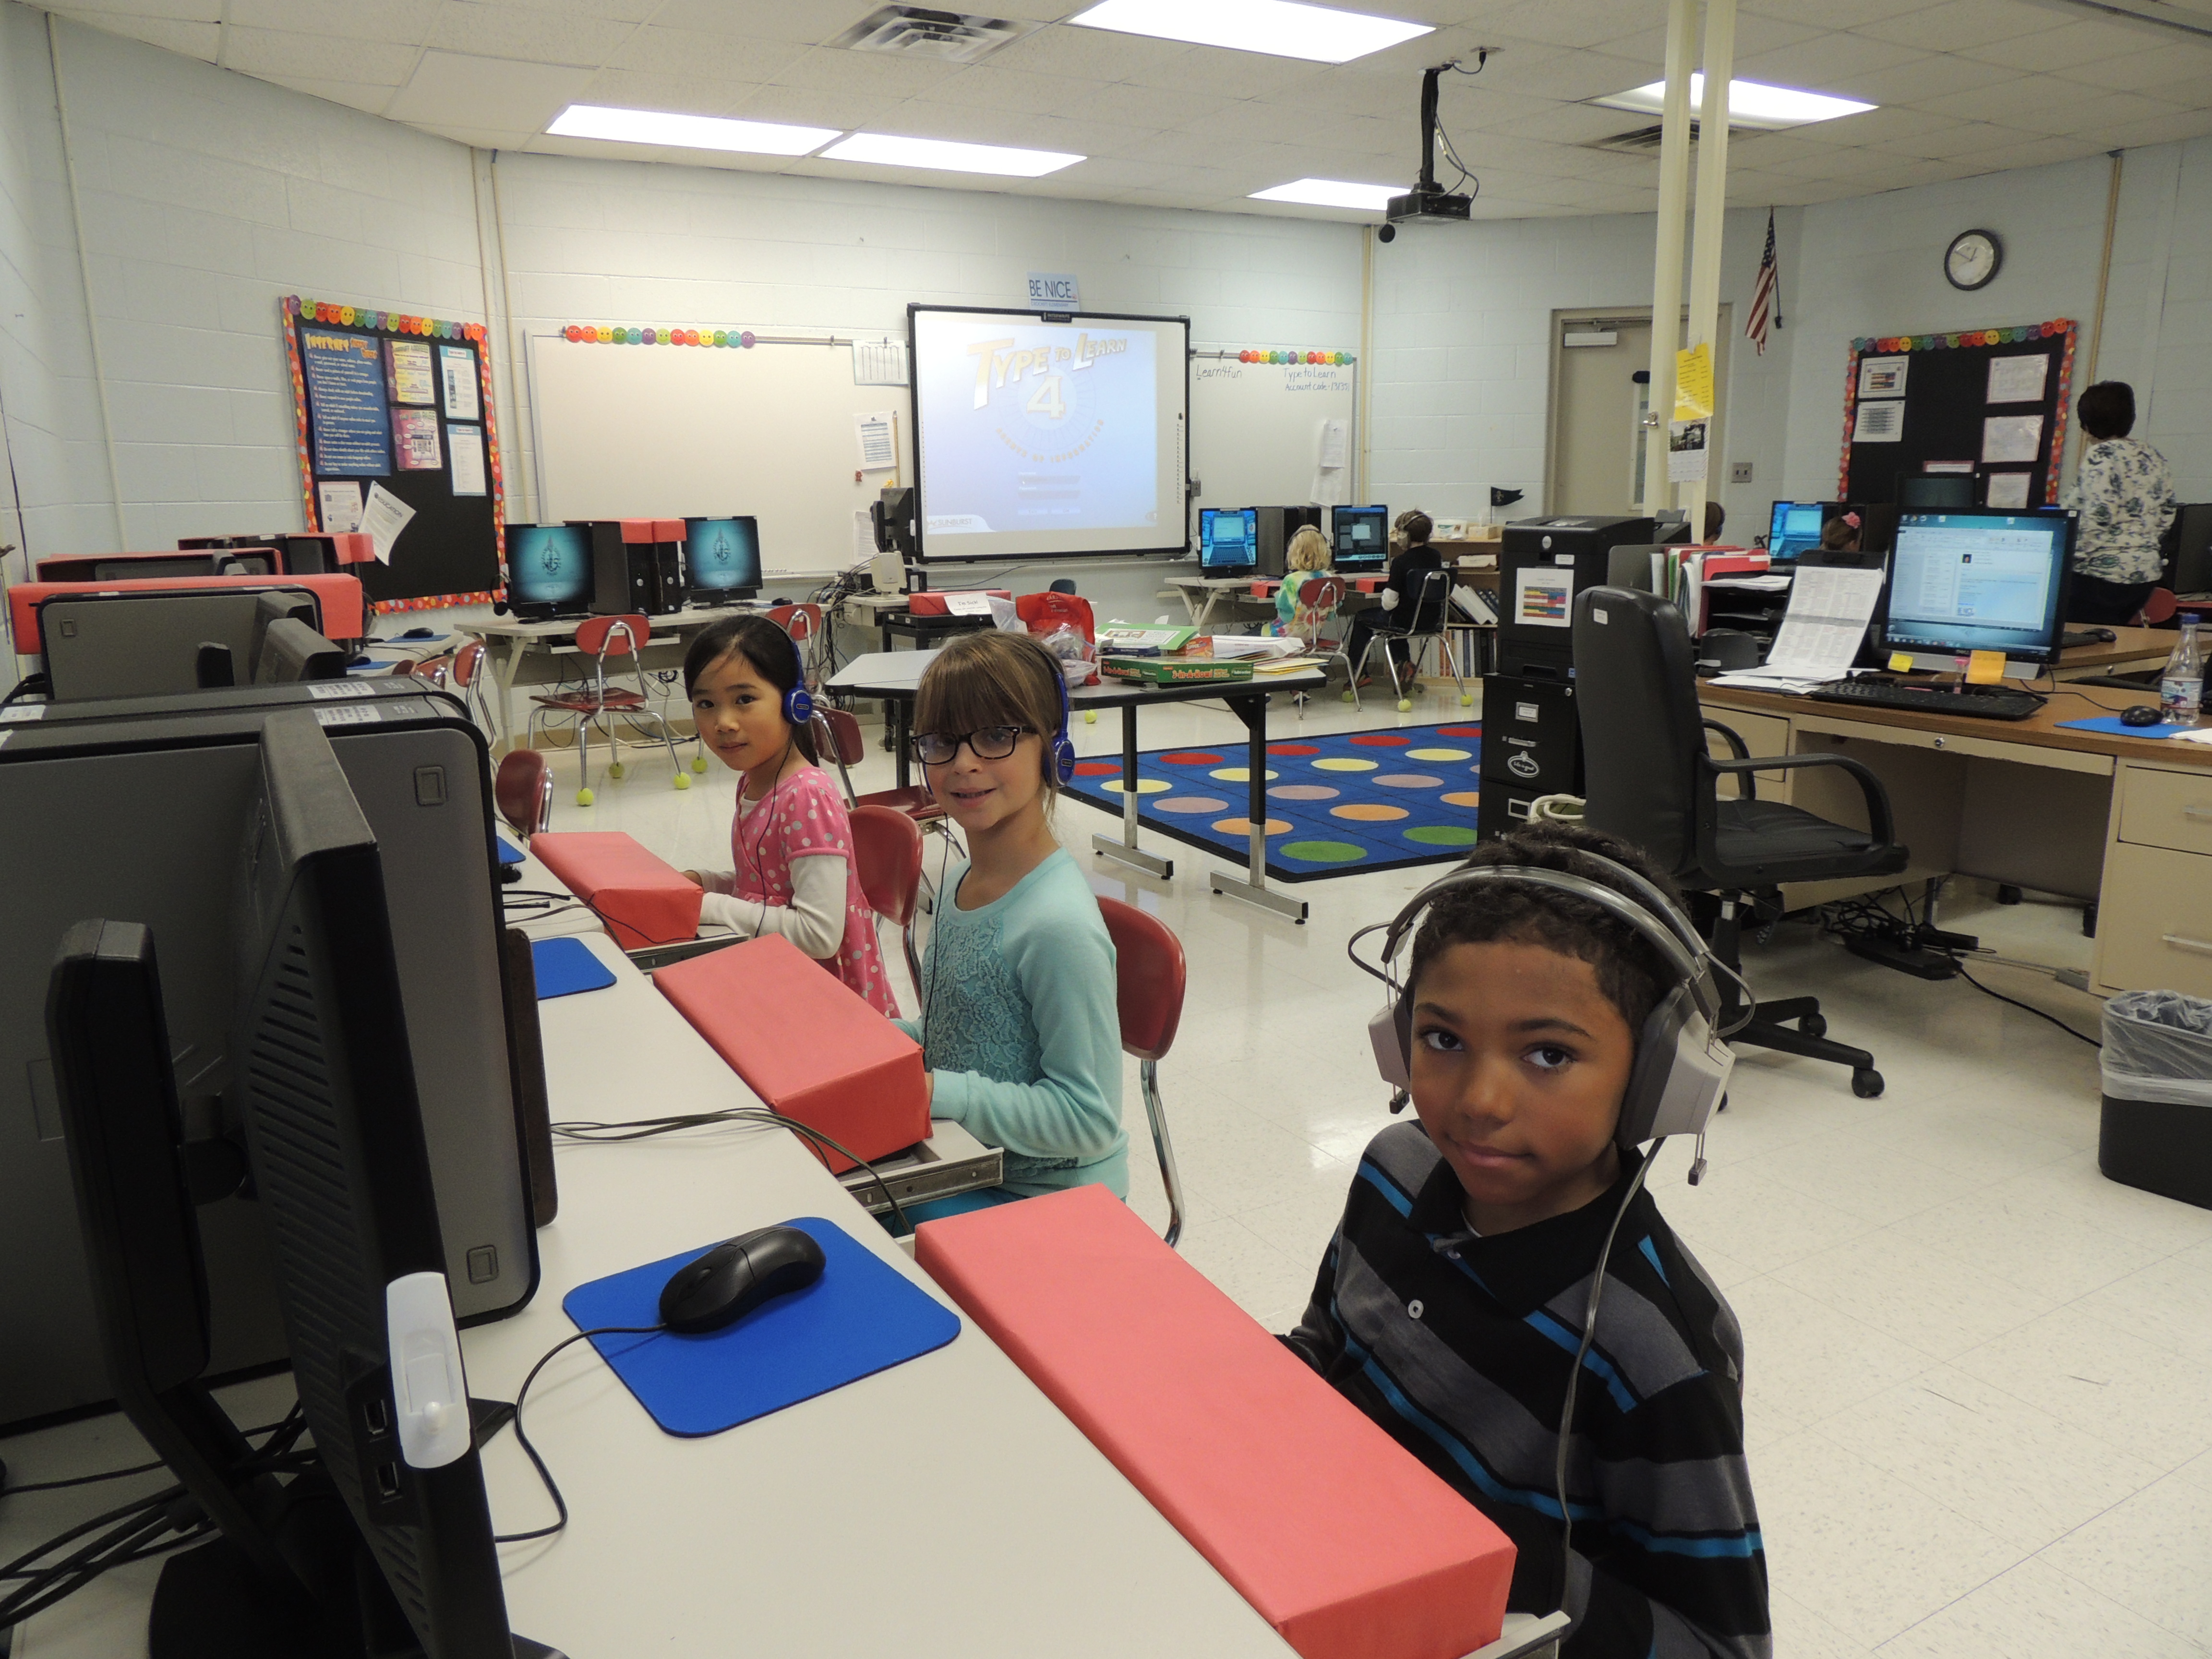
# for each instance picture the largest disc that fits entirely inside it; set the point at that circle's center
(1766, 301)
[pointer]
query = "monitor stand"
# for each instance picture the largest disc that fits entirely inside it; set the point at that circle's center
(1945, 662)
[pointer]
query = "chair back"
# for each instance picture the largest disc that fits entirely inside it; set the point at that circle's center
(1641, 733)
(1315, 603)
(434, 671)
(405, 665)
(2159, 607)
(1149, 973)
(801, 621)
(613, 636)
(1431, 604)
(887, 857)
(523, 787)
(466, 660)
(846, 746)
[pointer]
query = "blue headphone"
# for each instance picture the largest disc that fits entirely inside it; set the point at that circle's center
(799, 701)
(1063, 747)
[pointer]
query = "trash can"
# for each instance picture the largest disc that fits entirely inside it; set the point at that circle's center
(2156, 1129)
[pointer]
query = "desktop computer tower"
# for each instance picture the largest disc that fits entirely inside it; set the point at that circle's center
(1542, 564)
(1277, 525)
(637, 566)
(420, 772)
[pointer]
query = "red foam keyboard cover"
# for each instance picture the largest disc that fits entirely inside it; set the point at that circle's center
(339, 594)
(1338, 1536)
(808, 1044)
(643, 901)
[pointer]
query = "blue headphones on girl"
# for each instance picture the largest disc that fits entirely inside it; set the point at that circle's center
(799, 701)
(1062, 746)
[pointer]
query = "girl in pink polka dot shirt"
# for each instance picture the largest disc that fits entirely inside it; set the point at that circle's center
(791, 844)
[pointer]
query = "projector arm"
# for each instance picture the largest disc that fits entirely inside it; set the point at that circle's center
(1429, 79)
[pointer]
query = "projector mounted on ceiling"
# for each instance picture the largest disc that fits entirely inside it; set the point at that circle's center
(1429, 202)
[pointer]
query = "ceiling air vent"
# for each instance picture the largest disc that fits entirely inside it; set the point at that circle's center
(947, 36)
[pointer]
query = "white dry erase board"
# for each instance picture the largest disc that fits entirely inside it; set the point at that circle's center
(628, 432)
(672, 431)
(1257, 431)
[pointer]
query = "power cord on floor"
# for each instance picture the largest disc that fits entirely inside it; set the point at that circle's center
(2016, 1003)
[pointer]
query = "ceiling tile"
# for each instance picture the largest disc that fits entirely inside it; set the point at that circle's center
(277, 51)
(2066, 47)
(1125, 104)
(1575, 123)
(120, 12)
(847, 111)
(1920, 82)
(1188, 149)
(2159, 73)
(1831, 14)
(1756, 36)
(485, 92)
(691, 52)
(1224, 74)
(1953, 25)
(882, 75)
(2162, 130)
(989, 87)
(1106, 56)
(407, 22)
(536, 37)
(370, 100)
(1880, 126)
(192, 39)
(1815, 65)
(1578, 23)
(1961, 138)
(770, 20)
(2026, 102)
(2100, 115)
(1571, 76)
(680, 95)
(2034, 150)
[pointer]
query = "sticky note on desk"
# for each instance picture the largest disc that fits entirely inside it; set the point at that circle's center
(1985, 668)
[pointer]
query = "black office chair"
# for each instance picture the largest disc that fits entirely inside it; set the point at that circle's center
(1649, 780)
(1422, 625)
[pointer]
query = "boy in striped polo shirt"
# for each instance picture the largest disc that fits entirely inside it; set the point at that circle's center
(1450, 1303)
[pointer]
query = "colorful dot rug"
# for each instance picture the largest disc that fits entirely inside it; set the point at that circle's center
(1336, 805)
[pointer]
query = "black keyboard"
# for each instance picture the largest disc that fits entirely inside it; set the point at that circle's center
(1930, 700)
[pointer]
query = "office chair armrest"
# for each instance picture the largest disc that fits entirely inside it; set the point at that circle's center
(1878, 822)
(1742, 750)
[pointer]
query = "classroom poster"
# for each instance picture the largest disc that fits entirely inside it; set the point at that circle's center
(466, 444)
(339, 502)
(352, 434)
(457, 367)
(1543, 596)
(407, 373)
(416, 433)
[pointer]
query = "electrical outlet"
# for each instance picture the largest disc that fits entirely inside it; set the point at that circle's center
(1739, 471)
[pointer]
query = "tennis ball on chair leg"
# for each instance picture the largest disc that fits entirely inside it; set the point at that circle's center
(583, 798)
(615, 768)
(1091, 717)
(1405, 705)
(699, 762)
(683, 780)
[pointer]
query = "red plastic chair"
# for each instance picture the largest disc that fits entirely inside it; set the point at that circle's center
(602, 637)
(848, 748)
(2159, 607)
(523, 788)
(887, 857)
(1150, 975)
(466, 674)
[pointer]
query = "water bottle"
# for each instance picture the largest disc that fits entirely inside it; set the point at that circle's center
(2181, 686)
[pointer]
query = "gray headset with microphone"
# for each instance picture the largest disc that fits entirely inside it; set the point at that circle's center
(1681, 1073)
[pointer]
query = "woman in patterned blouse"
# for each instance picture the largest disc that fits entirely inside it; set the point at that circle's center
(2124, 494)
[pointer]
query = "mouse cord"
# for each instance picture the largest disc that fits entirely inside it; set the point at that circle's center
(644, 1128)
(1581, 1354)
(552, 1491)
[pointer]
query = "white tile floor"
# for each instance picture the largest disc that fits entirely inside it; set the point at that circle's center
(1979, 1374)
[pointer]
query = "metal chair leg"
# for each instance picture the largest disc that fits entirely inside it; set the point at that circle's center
(1170, 1178)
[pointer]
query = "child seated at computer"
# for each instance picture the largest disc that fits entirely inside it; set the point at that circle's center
(1402, 592)
(1454, 1296)
(1307, 557)
(1019, 1024)
(791, 843)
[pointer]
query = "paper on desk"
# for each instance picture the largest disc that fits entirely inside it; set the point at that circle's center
(1775, 584)
(1825, 625)
(384, 518)
(2202, 734)
(1256, 645)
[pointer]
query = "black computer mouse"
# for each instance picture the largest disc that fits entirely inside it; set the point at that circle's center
(2105, 635)
(418, 634)
(732, 1280)
(2143, 713)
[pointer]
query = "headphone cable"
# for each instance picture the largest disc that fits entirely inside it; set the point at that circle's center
(1581, 1352)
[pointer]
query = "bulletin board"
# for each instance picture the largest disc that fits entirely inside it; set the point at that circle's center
(394, 412)
(1991, 402)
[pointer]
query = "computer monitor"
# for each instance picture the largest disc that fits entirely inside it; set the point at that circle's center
(2192, 548)
(292, 651)
(722, 558)
(1936, 492)
(1362, 537)
(1962, 582)
(548, 570)
(336, 1152)
(1228, 541)
(1795, 528)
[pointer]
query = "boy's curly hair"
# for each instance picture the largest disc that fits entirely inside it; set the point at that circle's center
(1632, 973)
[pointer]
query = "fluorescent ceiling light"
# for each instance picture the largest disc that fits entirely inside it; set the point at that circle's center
(651, 126)
(1332, 192)
(946, 155)
(1320, 35)
(1750, 104)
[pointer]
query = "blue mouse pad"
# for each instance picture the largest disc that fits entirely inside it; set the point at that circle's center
(565, 966)
(858, 1318)
(508, 853)
(2120, 728)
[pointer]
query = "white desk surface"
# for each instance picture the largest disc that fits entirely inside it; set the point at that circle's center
(944, 1506)
(892, 669)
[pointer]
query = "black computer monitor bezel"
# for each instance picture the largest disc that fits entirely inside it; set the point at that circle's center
(1251, 516)
(705, 592)
(1341, 560)
(1944, 653)
(576, 604)
(1774, 536)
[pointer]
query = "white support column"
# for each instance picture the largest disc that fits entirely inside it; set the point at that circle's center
(1712, 218)
(1667, 263)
